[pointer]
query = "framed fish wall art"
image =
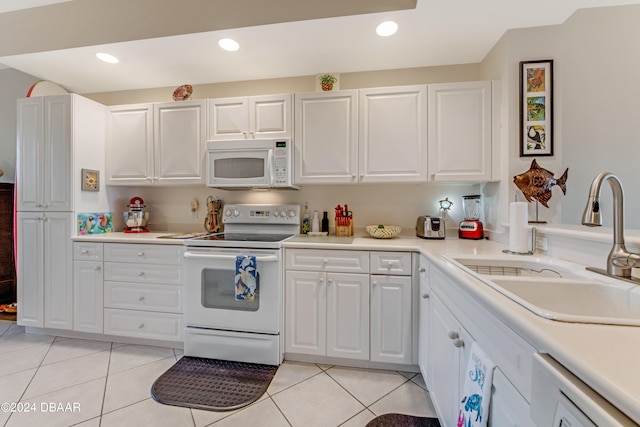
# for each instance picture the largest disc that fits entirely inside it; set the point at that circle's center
(536, 108)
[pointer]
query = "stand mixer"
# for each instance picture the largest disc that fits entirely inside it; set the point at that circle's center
(471, 227)
(136, 217)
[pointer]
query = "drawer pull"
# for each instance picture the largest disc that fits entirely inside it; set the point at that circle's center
(140, 254)
(84, 252)
(453, 335)
(325, 261)
(422, 269)
(141, 298)
(141, 326)
(330, 281)
(141, 274)
(98, 268)
(458, 343)
(425, 296)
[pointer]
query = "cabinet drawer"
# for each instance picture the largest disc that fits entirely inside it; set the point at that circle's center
(87, 251)
(391, 263)
(148, 254)
(143, 273)
(166, 298)
(143, 324)
(335, 261)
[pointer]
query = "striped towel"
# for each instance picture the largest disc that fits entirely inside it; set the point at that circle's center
(474, 405)
(245, 278)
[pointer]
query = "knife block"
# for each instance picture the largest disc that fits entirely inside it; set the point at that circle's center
(344, 230)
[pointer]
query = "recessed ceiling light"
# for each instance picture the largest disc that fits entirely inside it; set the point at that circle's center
(107, 58)
(387, 28)
(229, 44)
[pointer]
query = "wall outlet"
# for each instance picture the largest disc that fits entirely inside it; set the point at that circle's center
(542, 243)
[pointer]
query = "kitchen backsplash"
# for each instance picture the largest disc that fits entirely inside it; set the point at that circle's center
(391, 204)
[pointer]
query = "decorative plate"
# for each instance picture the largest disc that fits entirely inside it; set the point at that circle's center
(182, 93)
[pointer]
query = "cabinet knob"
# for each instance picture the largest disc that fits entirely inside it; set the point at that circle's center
(458, 343)
(329, 280)
(425, 296)
(141, 326)
(422, 269)
(140, 254)
(453, 335)
(97, 268)
(375, 283)
(141, 298)
(84, 252)
(322, 280)
(141, 274)
(325, 261)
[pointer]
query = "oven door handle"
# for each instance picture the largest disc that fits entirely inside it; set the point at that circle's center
(265, 258)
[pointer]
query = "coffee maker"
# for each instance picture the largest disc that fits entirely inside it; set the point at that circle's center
(471, 226)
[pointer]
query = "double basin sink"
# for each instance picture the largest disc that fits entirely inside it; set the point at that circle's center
(556, 289)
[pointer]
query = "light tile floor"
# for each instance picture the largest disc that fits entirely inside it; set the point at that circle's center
(55, 381)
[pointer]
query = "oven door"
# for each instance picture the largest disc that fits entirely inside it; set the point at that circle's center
(210, 291)
(238, 168)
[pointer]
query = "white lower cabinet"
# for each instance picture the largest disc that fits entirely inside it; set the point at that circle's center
(327, 314)
(334, 307)
(88, 276)
(423, 317)
(456, 321)
(45, 269)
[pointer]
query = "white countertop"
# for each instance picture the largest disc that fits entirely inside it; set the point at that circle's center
(604, 356)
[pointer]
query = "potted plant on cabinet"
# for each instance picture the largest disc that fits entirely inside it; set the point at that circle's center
(327, 81)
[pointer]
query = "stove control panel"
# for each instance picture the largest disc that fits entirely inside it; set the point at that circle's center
(261, 214)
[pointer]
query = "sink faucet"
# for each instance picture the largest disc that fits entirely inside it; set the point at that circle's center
(620, 261)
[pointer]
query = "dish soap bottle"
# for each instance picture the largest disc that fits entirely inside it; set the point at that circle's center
(305, 219)
(325, 223)
(315, 224)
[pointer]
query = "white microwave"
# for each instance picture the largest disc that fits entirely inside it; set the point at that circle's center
(250, 163)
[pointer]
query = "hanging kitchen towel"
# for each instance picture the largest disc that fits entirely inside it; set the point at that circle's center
(245, 279)
(474, 405)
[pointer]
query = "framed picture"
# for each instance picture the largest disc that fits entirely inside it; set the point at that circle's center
(536, 108)
(90, 180)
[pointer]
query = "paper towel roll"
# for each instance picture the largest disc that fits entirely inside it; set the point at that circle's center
(518, 227)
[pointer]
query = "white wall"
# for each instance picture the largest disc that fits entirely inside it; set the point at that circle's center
(600, 84)
(13, 85)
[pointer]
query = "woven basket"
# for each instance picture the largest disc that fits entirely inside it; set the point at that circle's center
(387, 232)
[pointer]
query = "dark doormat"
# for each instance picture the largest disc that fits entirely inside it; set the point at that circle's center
(401, 420)
(211, 384)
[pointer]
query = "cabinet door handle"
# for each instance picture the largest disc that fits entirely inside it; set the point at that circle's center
(98, 268)
(141, 298)
(141, 326)
(141, 274)
(329, 280)
(458, 343)
(140, 254)
(84, 252)
(375, 283)
(425, 296)
(453, 335)
(322, 280)
(422, 269)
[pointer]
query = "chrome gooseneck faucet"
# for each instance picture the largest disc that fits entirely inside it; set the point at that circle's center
(620, 261)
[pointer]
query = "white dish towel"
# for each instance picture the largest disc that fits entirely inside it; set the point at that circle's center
(474, 406)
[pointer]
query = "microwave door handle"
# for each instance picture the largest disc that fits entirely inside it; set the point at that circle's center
(270, 165)
(266, 258)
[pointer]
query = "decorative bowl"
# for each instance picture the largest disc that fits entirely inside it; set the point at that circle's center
(383, 231)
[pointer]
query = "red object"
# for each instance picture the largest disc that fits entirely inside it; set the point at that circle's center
(470, 229)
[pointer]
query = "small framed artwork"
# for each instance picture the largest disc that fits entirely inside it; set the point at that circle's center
(536, 108)
(90, 180)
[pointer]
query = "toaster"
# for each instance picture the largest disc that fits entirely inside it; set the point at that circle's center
(429, 227)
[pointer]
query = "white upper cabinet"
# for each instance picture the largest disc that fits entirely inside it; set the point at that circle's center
(265, 116)
(45, 155)
(326, 137)
(151, 144)
(460, 134)
(129, 150)
(392, 134)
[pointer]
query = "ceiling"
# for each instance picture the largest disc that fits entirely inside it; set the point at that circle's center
(436, 32)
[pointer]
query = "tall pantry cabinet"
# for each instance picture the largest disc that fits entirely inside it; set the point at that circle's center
(57, 136)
